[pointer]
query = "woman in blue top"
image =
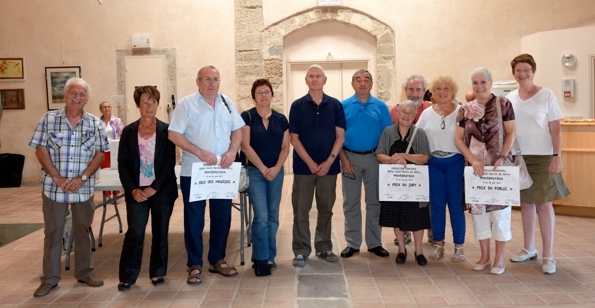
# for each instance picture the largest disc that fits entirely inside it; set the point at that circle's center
(265, 145)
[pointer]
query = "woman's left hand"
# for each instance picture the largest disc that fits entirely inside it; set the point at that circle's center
(556, 164)
(271, 173)
(497, 164)
(149, 192)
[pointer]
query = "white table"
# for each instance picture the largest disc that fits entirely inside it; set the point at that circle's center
(110, 181)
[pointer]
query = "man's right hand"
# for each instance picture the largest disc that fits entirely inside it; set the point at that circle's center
(347, 166)
(208, 157)
(64, 183)
(314, 167)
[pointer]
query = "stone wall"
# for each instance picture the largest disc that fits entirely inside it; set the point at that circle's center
(259, 51)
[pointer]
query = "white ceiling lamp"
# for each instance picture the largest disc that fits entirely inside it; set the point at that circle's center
(568, 60)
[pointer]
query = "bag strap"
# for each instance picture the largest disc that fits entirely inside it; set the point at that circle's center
(516, 145)
(411, 141)
(250, 117)
(225, 102)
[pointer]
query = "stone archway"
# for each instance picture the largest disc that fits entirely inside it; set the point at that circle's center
(260, 53)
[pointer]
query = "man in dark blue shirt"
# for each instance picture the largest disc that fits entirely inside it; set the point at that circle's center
(316, 127)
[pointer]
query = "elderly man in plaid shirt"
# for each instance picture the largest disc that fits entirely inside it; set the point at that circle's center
(69, 145)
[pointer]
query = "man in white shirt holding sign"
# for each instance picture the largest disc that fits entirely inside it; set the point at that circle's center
(206, 125)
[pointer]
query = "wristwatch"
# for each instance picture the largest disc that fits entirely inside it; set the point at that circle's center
(83, 177)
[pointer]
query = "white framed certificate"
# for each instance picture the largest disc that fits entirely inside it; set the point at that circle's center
(214, 182)
(500, 187)
(396, 183)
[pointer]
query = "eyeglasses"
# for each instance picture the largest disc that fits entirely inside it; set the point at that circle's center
(525, 70)
(209, 80)
(350, 176)
(442, 123)
(262, 93)
(407, 113)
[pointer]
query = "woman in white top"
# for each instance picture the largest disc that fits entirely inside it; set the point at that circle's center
(445, 166)
(540, 138)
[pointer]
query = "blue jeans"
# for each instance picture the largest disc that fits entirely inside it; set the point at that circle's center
(194, 223)
(265, 197)
(446, 187)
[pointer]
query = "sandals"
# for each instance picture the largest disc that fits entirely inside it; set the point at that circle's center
(225, 271)
(193, 278)
(458, 256)
(437, 253)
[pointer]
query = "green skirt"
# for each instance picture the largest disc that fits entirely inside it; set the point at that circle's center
(546, 186)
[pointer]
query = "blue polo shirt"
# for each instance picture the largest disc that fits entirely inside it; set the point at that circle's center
(365, 122)
(315, 125)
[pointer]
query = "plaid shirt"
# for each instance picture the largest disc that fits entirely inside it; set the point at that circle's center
(71, 150)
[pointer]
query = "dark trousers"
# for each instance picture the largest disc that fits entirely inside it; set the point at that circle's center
(194, 224)
(161, 207)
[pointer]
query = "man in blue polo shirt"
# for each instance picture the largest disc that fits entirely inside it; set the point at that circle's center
(316, 129)
(366, 118)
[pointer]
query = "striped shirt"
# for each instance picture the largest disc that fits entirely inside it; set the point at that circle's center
(71, 150)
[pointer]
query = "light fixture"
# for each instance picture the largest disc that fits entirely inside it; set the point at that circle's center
(568, 60)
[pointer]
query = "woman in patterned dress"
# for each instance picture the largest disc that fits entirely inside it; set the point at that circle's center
(405, 216)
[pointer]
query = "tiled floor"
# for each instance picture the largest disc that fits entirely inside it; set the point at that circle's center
(364, 280)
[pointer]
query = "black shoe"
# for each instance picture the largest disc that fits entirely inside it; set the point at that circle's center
(421, 260)
(122, 286)
(348, 252)
(379, 251)
(158, 281)
(401, 257)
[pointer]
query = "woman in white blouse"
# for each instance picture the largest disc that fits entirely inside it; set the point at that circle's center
(540, 138)
(445, 166)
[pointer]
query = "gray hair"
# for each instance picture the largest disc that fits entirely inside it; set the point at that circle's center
(482, 70)
(407, 103)
(315, 67)
(80, 81)
(359, 71)
(416, 77)
(205, 68)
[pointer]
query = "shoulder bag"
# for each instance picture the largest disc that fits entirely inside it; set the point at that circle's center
(524, 176)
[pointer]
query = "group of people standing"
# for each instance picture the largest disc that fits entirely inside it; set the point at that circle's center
(329, 137)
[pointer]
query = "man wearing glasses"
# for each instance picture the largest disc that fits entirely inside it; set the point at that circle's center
(316, 130)
(415, 86)
(206, 125)
(366, 118)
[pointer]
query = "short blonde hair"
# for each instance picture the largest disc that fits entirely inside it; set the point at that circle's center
(445, 79)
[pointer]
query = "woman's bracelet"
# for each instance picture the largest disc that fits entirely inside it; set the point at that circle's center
(504, 157)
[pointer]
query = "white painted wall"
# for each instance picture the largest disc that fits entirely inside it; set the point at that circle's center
(547, 48)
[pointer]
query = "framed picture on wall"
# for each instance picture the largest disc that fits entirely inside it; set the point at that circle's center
(55, 79)
(12, 98)
(12, 69)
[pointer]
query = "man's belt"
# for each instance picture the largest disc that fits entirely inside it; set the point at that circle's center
(358, 152)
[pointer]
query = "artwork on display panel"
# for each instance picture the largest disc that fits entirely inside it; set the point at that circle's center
(12, 69)
(12, 98)
(55, 78)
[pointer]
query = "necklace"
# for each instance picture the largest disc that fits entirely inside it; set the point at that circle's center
(148, 128)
